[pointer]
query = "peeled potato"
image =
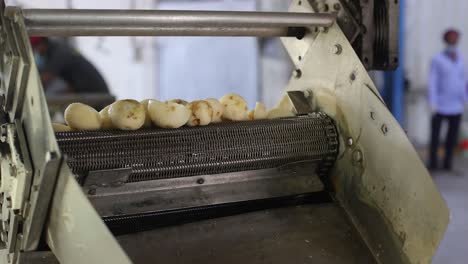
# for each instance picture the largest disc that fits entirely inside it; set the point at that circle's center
(168, 114)
(60, 127)
(148, 121)
(127, 114)
(251, 114)
(218, 109)
(235, 107)
(201, 113)
(260, 111)
(178, 101)
(82, 117)
(285, 103)
(279, 113)
(106, 122)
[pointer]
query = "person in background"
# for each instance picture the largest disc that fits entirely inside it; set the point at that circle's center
(447, 96)
(63, 70)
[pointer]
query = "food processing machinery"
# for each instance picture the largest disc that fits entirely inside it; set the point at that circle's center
(337, 183)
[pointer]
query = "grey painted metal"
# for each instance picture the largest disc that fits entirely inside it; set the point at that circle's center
(187, 192)
(318, 233)
(75, 232)
(168, 22)
(401, 218)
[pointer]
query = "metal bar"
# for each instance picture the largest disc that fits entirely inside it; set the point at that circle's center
(158, 31)
(168, 22)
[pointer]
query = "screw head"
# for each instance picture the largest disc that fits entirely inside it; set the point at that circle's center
(200, 181)
(337, 49)
(384, 129)
(337, 6)
(357, 156)
(297, 73)
(350, 141)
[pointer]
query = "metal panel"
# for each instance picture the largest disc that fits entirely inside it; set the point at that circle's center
(316, 233)
(178, 193)
(379, 177)
(75, 232)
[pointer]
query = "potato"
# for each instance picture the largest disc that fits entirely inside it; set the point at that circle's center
(79, 116)
(106, 122)
(178, 101)
(251, 114)
(60, 127)
(285, 104)
(201, 113)
(235, 107)
(168, 114)
(127, 114)
(218, 109)
(279, 113)
(260, 111)
(148, 122)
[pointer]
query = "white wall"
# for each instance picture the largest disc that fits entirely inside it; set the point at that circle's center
(132, 76)
(200, 67)
(128, 64)
(425, 23)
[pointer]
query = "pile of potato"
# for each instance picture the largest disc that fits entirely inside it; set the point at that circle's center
(132, 115)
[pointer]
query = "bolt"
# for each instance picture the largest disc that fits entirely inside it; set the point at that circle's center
(323, 29)
(372, 115)
(384, 129)
(350, 141)
(337, 49)
(357, 156)
(337, 6)
(297, 73)
(200, 181)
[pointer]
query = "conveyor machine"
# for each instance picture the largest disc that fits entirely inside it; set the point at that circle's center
(337, 183)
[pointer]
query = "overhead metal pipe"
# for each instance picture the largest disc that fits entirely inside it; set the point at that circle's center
(92, 22)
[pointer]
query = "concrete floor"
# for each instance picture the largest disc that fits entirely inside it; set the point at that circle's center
(454, 188)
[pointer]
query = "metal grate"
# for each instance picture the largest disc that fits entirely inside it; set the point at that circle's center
(217, 148)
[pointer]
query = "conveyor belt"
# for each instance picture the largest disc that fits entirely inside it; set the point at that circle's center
(217, 148)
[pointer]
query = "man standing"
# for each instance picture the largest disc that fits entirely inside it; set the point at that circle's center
(447, 95)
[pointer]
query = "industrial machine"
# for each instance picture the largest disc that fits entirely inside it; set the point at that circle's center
(337, 183)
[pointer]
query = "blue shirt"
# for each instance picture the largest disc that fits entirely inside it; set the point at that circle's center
(447, 84)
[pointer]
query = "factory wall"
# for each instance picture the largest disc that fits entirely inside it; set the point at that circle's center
(129, 65)
(425, 23)
(148, 67)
